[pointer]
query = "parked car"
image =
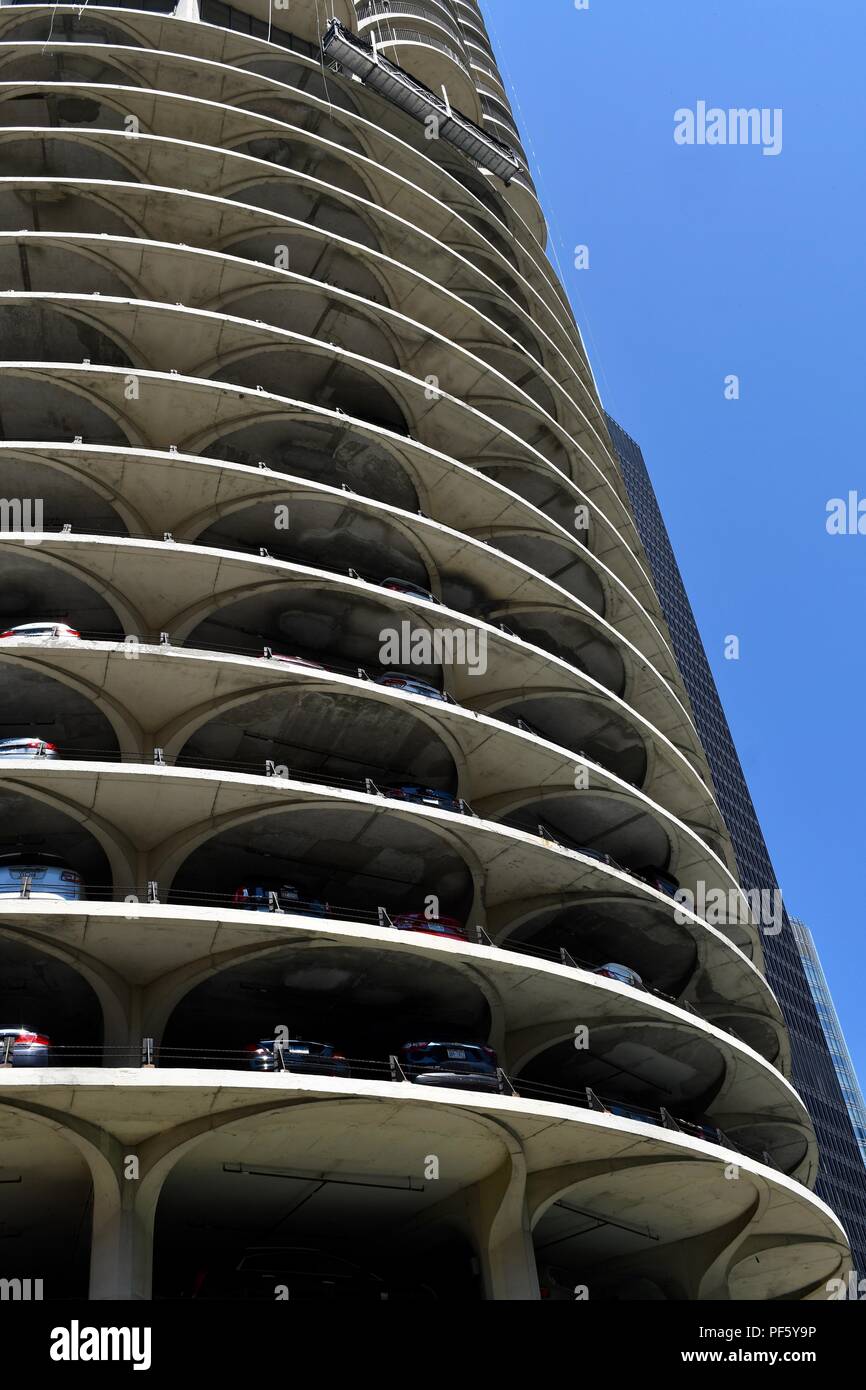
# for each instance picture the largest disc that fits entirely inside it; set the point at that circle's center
(700, 1130)
(413, 685)
(405, 586)
(433, 926)
(307, 1275)
(659, 879)
(298, 1055)
(50, 876)
(42, 632)
(27, 748)
(255, 896)
(623, 973)
(467, 1066)
(425, 796)
(28, 1049)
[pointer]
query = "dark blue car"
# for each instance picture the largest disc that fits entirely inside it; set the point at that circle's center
(466, 1066)
(425, 796)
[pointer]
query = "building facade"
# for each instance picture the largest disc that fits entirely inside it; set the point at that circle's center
(833, 1032)
(348, 771)
(841, 1175)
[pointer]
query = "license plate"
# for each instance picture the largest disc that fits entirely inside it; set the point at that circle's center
(457, 1053)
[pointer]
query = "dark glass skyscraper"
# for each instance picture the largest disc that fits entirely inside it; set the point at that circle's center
(842, 1060)
(842, 1180)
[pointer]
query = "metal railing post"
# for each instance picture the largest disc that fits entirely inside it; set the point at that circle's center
(397, 1072)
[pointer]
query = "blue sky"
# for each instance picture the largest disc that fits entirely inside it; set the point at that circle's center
(717, 260)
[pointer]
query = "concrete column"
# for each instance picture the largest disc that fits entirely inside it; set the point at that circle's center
(499, 1220)
(121, 1255)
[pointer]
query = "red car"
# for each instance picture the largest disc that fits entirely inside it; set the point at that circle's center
(433, 926)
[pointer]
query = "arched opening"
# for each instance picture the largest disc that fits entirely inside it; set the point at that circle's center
(34, 833)
(363, 1002)
(306, 203)
(325, 736)
(87, 27)
(305, 310)
(46, 1206)
(289, 111)
(34, 590)
(584, 726)
(291, 1206)
(348, 857)
(628, 931)
(38, 407)
(323, 533)
(327, 451)
(320, 380)
(59, 209)
(66, 497)
(313, 256)
(60, 66)
(48, 156)
(335, 627)
(33, 705)
(45, 266)
(40, 332)
(542, 489)
(598, 824)
(573, 641)
(548, 557)
(43, 995)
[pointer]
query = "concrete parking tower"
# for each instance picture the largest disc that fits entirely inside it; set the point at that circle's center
(352, 721)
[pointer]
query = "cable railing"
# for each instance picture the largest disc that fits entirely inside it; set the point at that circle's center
(398, 33)
(284, 1058)
(277, 903)
(375, 580)
(371, 672)
(270, 768)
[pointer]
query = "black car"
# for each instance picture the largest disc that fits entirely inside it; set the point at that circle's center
(270, 1273)
(260, 895)
(467, 1066)
(300, 1055)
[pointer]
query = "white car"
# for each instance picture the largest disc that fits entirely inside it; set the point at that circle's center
(49, 877)
(42, 632)
(27, 748)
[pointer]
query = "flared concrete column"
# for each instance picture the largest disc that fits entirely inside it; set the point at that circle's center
(500, 1223)
(121, 1255)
